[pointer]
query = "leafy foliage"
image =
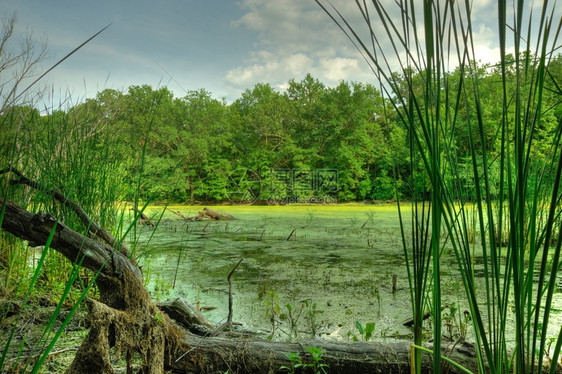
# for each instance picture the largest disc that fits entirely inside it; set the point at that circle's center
(188, 147)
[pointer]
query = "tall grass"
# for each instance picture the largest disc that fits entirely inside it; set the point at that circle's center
(71, 152)
(417, 252)
(74, 151)
(514, 178)
(65, 152)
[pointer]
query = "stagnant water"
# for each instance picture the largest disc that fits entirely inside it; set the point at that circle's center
(317, 270)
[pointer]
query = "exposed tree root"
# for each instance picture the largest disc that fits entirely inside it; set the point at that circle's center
(138, 328)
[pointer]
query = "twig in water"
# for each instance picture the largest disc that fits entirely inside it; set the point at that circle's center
(178, 213)
(229, 319)
(291, 234)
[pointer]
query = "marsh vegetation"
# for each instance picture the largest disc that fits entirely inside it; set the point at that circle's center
(469, 153)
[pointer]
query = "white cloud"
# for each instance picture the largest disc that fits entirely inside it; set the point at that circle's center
(244, 76)
(293, 29)
(270, 69)
(486, 46)
(339, 68)
(298, 63)
(295, 38)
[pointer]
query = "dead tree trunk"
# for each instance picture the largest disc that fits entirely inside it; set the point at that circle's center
(143, 218)
(213, 214)
(125, 322)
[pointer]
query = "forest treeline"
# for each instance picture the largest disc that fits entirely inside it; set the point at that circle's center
(344, 142)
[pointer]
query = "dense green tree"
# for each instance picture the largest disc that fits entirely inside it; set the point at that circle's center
(260, 119)
(184, 149)
(203, 145)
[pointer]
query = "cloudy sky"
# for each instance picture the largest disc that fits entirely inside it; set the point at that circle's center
(223, 46)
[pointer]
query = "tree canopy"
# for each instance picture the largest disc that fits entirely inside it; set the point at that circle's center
(187, 149)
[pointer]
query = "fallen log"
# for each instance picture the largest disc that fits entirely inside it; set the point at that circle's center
(94, 229)
(36, 228)
(143, 218)
(212, 355)
(187, 315)
(206, 214)
(391, 356)
(126, 322)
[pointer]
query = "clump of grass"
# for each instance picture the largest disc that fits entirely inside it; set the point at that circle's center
(66, 152)
(509, 180)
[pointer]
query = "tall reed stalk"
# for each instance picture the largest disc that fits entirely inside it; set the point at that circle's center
(69, 151)
(65, 152)
(513, 181)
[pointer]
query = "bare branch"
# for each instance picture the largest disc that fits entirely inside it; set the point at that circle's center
(15, 67)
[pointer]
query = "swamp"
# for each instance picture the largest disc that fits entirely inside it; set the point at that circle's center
(410, 224)
(306, 271)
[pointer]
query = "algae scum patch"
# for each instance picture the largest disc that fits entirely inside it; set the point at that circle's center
(306, 270)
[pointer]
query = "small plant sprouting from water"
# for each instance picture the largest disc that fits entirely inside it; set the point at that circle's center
(312, 322)
(328, 274)
(293, 317)
(317, 365)
(161, 288)
(376, 294)
(365, 333)
(455, 322)
(272, 310)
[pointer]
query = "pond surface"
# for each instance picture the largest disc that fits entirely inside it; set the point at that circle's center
(316, 270)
